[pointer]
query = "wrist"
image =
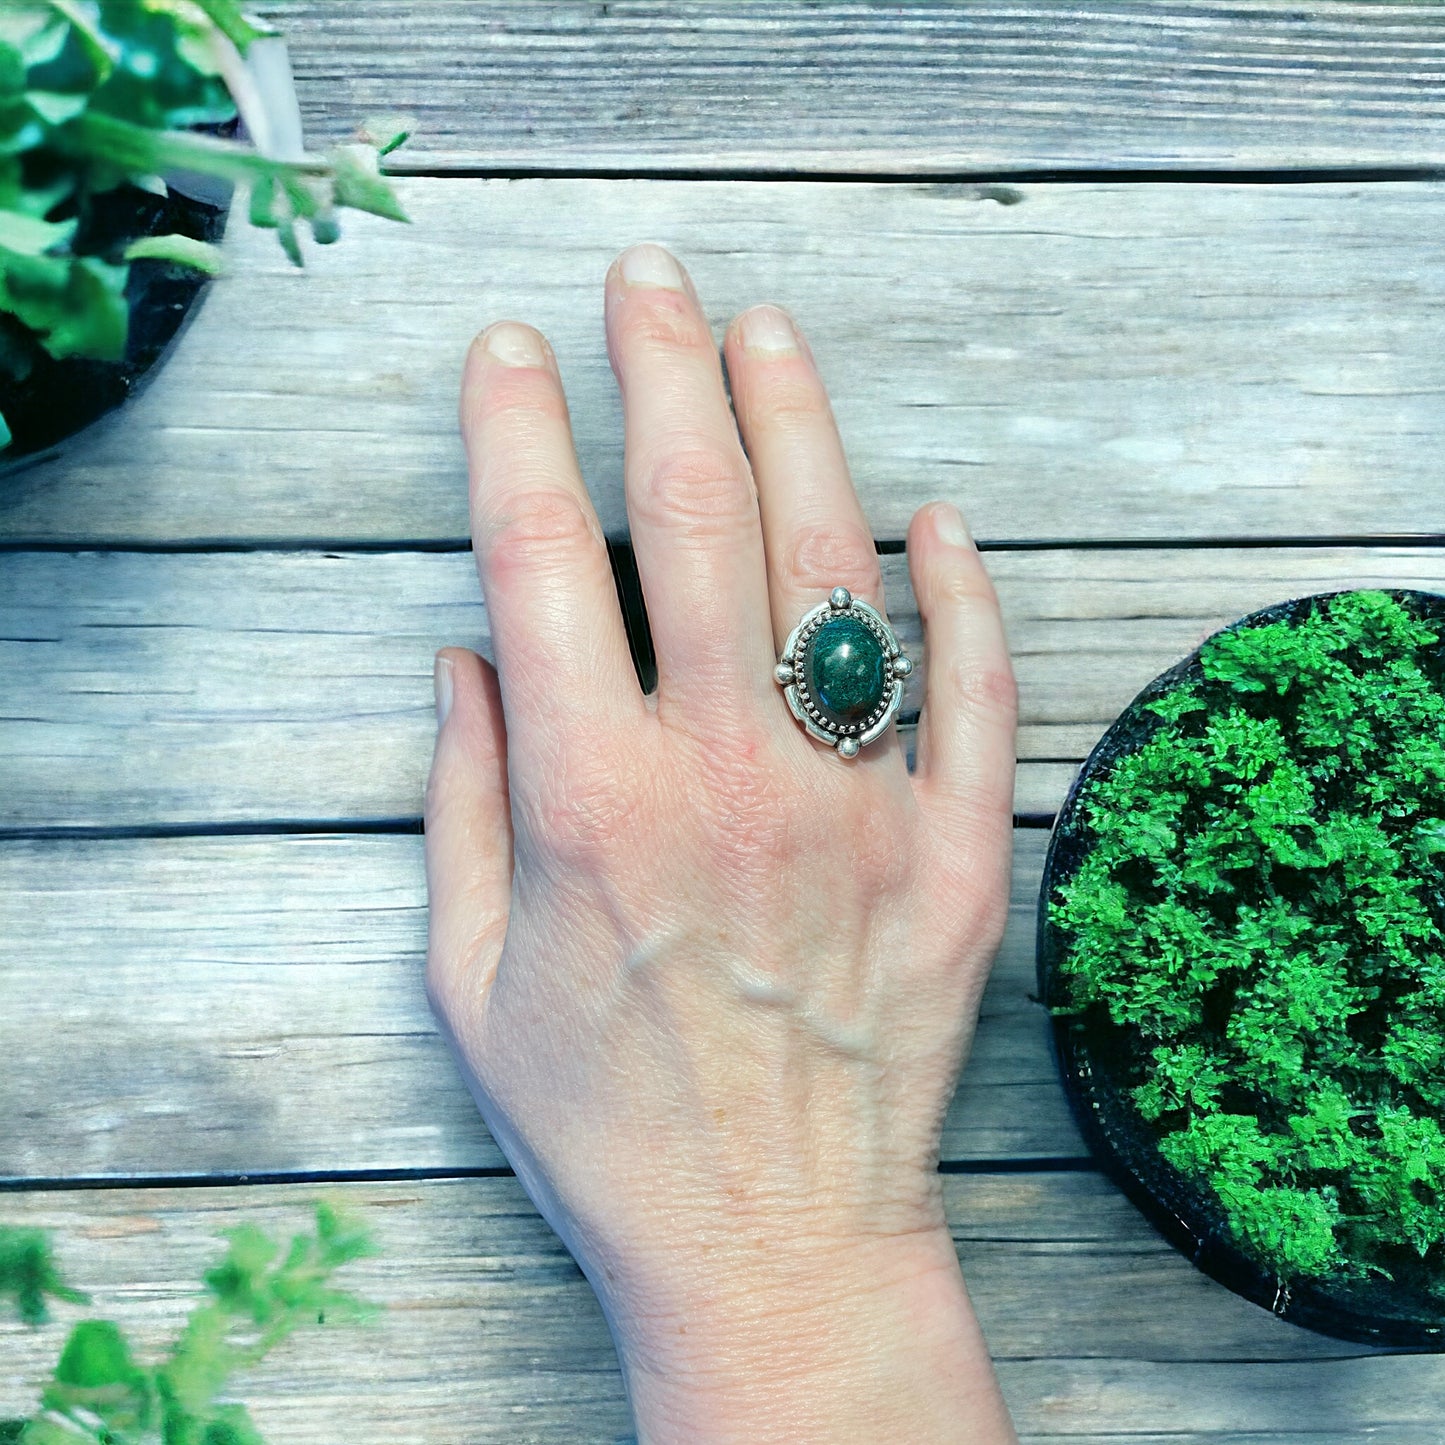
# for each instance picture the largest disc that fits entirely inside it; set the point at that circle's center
(878, 1341)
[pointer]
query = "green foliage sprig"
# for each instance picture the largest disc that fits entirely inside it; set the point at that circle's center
(259, 1294)
(1258, 925)
(29, 1275)
(99, 94)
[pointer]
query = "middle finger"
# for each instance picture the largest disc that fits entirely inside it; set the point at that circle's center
(691, 503)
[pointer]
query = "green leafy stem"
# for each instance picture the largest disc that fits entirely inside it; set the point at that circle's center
(258, 1296)
(97, 96)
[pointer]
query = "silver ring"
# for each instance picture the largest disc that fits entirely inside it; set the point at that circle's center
(842, 672)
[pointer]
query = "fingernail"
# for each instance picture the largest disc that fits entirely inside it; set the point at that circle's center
(948, 523)
(769, 330)
(514, 345)
(442, 683)
(649, 265)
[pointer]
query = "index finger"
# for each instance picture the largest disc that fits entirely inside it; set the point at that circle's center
(560, 646)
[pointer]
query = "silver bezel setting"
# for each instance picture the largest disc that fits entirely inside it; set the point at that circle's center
(791, 675)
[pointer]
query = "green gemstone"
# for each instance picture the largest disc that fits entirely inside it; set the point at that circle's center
(846, 669)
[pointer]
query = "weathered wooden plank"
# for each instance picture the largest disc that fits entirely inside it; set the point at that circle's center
(194, 689)
(1100, 1329)
(255, 1005)
(839, 87)
(1065, 361)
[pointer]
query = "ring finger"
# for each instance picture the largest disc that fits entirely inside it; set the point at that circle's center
(815, 535)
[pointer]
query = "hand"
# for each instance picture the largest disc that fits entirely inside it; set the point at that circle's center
(710, 983)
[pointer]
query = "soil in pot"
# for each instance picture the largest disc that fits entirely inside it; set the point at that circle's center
(1242, 939)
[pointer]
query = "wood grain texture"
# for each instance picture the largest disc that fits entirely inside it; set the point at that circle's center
(843, 86)
(143, 689)
(1064, 361)
(254, 1005)
(1101, 1331)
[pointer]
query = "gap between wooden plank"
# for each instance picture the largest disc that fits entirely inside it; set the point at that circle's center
(22, 1184)
(886, 546)
(397, 166)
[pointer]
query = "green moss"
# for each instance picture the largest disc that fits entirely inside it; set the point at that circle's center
(1258, 927)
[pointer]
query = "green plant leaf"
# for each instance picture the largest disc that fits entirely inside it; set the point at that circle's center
(180, 250)
(46, 1431)
(258, 1295)
(55, 107)
(12, 73)
(99, 94)
(76, 306)
(97, 1374)
(96, 1354)
(386, 132)
(360, 184)
(100, 50)
(30, 236)
(231, 1425)
(28, 1272)
(238, 28)
(34, 29)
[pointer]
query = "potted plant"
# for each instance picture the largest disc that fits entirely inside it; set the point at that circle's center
(1242, 942)
(116, 162)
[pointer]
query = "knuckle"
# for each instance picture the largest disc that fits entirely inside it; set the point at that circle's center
(792, 403)
(582, 813)
(881, 860)
(535, 527)
(965, 587)
(970, 896)
(698, 485)
(751, 826)
(986, 688)
(831, 553)
(435, 801)
(439, 986)
(661, 320)
(450, 977)
(515, 396)
(442, 972)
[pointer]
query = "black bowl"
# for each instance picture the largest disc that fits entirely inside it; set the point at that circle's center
(1094, 1071)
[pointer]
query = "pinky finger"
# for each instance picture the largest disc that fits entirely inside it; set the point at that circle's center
(966, 732)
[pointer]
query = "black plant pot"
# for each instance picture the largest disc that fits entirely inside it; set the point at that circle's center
(1095, 1064)
(58, 398)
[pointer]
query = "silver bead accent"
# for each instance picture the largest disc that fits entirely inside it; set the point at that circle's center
(847, 747)
(839, 598)
(783, 672)
(902, 666)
